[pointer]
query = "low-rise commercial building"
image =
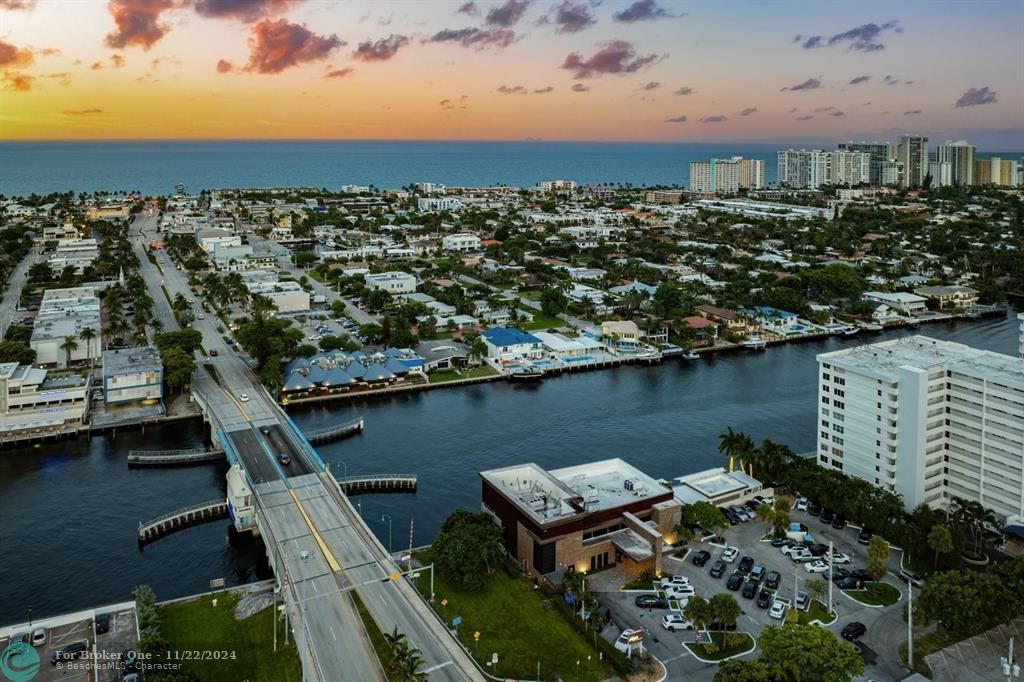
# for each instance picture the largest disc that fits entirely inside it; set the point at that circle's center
(289, 297)
(132, 375)
(75, 253)
(394, 282)
(718, 487)
(32, 403)
(464, 241)
(57, 331)
(580, 518)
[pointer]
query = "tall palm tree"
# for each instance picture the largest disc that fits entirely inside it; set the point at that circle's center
(87, 335)
(69, 346)
(735, 444)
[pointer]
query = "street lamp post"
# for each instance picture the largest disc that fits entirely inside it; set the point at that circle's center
(388, 516)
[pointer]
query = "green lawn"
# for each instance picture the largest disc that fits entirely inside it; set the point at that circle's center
(717, 638)
(540, 320)
(476, 372)
(816, 612)
(875, 594)
(522, 626)
(200, 625)
(639, 583)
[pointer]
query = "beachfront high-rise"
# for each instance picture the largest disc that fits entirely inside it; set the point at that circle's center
(995, 171)
(726, 176)
(878, 153)
(811, 168)
(928, 419)
(912, 152)
(960, 156)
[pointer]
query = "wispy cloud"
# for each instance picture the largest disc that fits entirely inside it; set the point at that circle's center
(676, 119)
(859, 79)
(863, 38)
(246, 11)
(976, 97)
(381, 50)
(912, 112)
(512, 89)
(544, 90)
(224, 66)
(339, 73)
(83, 112)
(570, 17)
(685, 90)
(652, 85)
(809, 84)
(474, 37)
(468, 8)
(837, 114)
(748, 111)
(717, 118)
(643, 10)
(804, 118)
(507, 14)
(617, 57)
(579, 87)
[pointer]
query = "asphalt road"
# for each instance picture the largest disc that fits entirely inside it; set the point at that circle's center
(12, 293)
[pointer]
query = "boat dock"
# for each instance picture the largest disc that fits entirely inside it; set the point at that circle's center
(185, 457)
(182, 518)
(378, 483)
(332, 433)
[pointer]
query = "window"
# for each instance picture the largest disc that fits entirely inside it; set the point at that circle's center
(839, 405)
(826, 377)
(824, 422)
(841, 381)
(824, 400)
(839, 429)
(839, 392)
(837, 440)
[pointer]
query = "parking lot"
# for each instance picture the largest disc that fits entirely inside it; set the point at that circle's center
(885, 628)
(121, 636)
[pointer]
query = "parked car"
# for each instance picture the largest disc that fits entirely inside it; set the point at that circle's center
(818, 549)
(749, 589)
(803, 600)
(628, 638)
(70, 652)
(835, 573)
(849, 583)
(813, 508)
(213, 353)
(911, 578)
(39, 637)
(680, 591)
(778, 610)
(840, 558)
(801, 554)
(732, 518)
(102, 623)
(816, 566)
(651, 601)
(792, 548)
(729, 554)
(734, 582)
(772, 580)
(865, 536)
(674, 621)
(758, 572)
(715, 626)
(853, 630)
(860, 573)
(801, 504)
(746, 563)
(779, 542)
(670, 580)
(764, 599)
(826, 516)
(701, 557)
(717, 569)
(839, 523)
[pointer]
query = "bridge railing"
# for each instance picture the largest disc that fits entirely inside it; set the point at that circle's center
(184, 510)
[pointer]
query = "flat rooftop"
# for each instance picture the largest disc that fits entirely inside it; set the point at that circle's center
(711, 484)
(548, 496)
(130, 360)
(883, 360)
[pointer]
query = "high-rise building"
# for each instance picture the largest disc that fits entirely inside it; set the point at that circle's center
(717, 176)
(912, 152)
(879, 153)
(928, 419)
(960, 156)
(941, 172)
(995, 171)
(892, 173)
(751, 173)
(850, 168)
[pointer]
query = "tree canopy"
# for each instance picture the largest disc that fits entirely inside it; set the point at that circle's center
(807, 653)
(468, 548)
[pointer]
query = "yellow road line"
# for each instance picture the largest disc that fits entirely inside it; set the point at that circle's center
(328, 555)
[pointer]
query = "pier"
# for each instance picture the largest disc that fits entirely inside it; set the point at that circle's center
(185, 457)
(378, 483)
(183, 518)
(332, 433)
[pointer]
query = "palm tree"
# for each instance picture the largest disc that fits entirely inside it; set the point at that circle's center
(87, 335)
(698, 611)
(735, 444)
(725, 608)
(69, 346)
(940, 540)
(477, 348)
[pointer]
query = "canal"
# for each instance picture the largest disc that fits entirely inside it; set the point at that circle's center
(71, 509)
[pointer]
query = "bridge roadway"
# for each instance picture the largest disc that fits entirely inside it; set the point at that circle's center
(320, 548)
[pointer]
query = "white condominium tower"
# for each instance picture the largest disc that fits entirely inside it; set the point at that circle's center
(811, 168)
(726, 176)
(928, 419)
(960, 157)
(912, 152)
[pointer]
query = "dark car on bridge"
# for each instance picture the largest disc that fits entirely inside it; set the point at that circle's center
(284, 458)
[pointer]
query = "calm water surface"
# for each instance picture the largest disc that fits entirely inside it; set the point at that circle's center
(71, 509)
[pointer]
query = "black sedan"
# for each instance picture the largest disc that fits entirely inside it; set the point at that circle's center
(701, 557)
(861, 574)
(839, 523)
(651, 601)
(734, 582)
(819, 549)
(772, 580)
(848, 583)
(746, 563)
(717, 569)
(749, 589)
(813, 508)
(715, 626)
(853, 630)
(102, 623)
(779, 542)
(864, 537)
(764, 599)
(826, 516)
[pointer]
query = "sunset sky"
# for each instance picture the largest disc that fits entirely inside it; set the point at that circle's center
(650, 70)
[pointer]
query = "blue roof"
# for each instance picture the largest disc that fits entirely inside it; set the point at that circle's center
(768, 311)
(297, 382)
(337, 377)
(316, 374)
(377, 372)
(509, 336)
(396, 366)
(356, 370)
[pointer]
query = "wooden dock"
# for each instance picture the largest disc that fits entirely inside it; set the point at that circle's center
(182, 518)
(168, 458)
(378, 483)
(332, 433)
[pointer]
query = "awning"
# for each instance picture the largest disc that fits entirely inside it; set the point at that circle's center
(1014, 532)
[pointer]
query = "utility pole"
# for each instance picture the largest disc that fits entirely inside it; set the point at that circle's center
(1010, 669)
(830, 576)
(910, 625)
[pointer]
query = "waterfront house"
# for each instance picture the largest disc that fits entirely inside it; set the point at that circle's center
(621, 335)
(705, 331)
(907, 304)
(733, 321)
(950, 296)
(508, 344)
